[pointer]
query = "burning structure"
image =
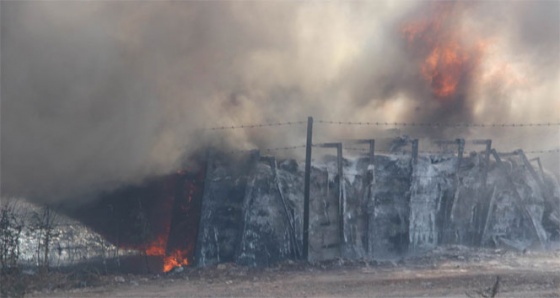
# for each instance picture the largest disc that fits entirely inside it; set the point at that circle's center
(159, 218)
(248, 208)
(106, 95)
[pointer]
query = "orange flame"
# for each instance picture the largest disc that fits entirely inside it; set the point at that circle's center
(164, 216)
(170, 260)
(175, 253)
(445, 58)
(156, 249)
(172, 219)
(175, 259)
(443, 68)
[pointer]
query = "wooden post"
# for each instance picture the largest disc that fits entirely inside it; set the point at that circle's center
(483, 208)
(341, 197)
(341, 193)
(538, 179)
(538, 160)
(487, 166)
(414, 151)
(460, 151)
(370, 180)
(307, 180)
(449, 207)
(370, 188)
(371, 152)
(530, 169)
(204, 211)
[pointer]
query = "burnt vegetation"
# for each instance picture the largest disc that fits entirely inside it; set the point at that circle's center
(31, 251)
(10, 231)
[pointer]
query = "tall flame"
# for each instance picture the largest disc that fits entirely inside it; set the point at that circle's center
(445, 58)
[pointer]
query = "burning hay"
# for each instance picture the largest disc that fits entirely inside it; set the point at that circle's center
(108, 109)
(248, 209)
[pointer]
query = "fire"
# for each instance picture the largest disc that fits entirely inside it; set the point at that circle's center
(170, 260)
(158, 218)
(175, 259)
(445, 58)
(156, 248)
(174, 242)
(443, 67)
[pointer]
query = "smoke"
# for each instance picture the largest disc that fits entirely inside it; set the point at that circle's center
(95, 95)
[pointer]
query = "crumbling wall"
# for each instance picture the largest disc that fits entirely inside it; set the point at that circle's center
(432, 187)
(268, 233)
(324, 236)
(221, 219)
(517, 208)
(250, 212)
(551, 215)
(358, 190)
(252, 208)
(389, 224)
(469, 211)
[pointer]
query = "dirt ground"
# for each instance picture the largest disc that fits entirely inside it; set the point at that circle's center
(447, 272)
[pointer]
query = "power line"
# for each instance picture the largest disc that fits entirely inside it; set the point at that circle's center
(401, 124)
(557, 150)
(426, 124)
(542, 151)
(284, 148)
(448, 152)
(266, 149)
(257, 125)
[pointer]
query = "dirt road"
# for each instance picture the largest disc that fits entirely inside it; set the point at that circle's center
(453, 272)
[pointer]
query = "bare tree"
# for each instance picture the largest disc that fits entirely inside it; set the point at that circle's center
(44, 223)
(11, 226)
(143, 232)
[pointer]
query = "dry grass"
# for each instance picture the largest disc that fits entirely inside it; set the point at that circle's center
(18, 283)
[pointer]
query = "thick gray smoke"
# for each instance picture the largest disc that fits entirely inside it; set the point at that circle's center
(95, 95)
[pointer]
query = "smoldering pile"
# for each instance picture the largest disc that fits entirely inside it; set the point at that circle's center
(251, 207)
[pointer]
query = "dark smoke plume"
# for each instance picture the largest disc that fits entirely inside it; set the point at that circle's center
(95, 95)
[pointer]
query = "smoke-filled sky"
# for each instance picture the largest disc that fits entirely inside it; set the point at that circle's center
(97, 94)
